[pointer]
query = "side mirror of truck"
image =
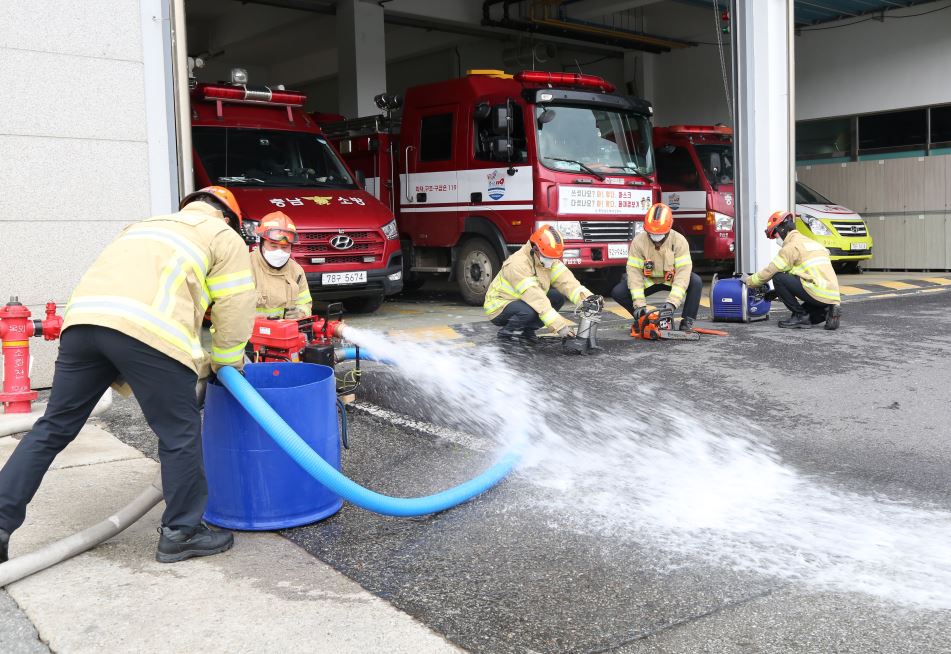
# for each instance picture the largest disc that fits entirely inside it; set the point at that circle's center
(545, 117)
(501, 149)
(501, 121)
(361, 178)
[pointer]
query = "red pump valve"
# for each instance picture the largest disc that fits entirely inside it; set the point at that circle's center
(16, 328)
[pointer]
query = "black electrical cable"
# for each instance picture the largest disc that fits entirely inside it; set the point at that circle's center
(882, 18)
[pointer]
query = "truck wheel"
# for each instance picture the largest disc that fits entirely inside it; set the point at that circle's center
(476, 267)
(367, 304)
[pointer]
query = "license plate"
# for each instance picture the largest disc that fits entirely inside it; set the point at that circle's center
(617, 250)
(356, 277)
(859, 246)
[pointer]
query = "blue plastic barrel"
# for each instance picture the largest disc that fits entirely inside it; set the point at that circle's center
(252, 483)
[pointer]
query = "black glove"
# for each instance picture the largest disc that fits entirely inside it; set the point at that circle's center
(668, 307)
(640, 312)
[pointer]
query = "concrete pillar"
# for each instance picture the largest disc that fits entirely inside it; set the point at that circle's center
(765, 122)
(639, 74)
(361, 53)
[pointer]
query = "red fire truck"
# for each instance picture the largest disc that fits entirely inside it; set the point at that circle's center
(695, 170)
(474, 164)
(273, 156)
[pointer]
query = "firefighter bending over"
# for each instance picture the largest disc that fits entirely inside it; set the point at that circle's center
(801, 271)
(659, 260)
(281, 284)
(136, 316)
(530, 289)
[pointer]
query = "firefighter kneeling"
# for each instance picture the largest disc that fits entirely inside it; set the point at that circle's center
(659, 260)
(530, 289)
(801, 271)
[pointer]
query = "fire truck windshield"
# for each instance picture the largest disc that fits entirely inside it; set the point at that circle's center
(717, 162)
(607, 141)
(268, 158)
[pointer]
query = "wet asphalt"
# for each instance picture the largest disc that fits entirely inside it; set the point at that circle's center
(863, 409)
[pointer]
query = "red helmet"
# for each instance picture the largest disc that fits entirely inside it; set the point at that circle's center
(548, 242)
(277, 227)
(780, 223)
(659, 219)
(221, 198)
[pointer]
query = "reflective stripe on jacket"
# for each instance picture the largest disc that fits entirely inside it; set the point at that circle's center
(807, 260)
(523, 277)
(668, 264)
(281, 292)
(157, 278)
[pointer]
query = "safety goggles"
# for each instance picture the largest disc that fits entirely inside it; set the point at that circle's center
(278, 235)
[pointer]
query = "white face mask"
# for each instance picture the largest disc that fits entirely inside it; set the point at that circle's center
(779, 239)
(546, 261)
(276, 258)
(658, 238)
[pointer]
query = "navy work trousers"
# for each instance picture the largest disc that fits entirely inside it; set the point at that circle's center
(518, 316)
(622, 295)
(90, 358)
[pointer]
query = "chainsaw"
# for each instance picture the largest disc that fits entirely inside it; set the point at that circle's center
(585, 340)
(658, 325)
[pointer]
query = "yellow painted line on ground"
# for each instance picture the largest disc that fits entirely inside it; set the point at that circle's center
(883, 295)
(944, 281)
(852, 290)
(898, 286)
(933, 290)
(420, 334)
(705, 302)
(619, 311)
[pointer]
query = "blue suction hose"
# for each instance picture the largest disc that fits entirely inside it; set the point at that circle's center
(335, 481)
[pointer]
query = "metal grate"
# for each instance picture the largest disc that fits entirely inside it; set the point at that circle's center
(600, 231)
(849, 228)
(317, 244)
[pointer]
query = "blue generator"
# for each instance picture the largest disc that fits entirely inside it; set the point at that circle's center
(733, 301)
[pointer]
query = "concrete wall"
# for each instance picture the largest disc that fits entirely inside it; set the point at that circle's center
(874, 66)
(74, 154)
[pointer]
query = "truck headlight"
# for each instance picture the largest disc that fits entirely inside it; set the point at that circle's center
(569, 229)
(815, 225)
(390, 231)
(722, 223)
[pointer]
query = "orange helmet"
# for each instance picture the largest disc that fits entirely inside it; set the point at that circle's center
(548, 242)
(659, 219)
(779, 224)
(221, 198)
(277, 227)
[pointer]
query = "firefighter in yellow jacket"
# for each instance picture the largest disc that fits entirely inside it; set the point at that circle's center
(136, 314)
(659, 260)
(530, 289)
(802, 275)
(282, 288)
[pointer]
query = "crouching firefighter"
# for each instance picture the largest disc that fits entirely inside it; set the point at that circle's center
(135, 315)
(282, 288)
(659, 260)
(802, 275)
(530, 289)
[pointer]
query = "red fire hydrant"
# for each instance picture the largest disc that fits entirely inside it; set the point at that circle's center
(15, 330)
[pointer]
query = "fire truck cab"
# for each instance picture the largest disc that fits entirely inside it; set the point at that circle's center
(272, 155)
(695, 170)
(475, 164)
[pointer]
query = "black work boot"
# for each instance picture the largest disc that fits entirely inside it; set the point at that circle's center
(178, 544)
(4, 545)
(833, 314)
(796, 321)
(531, 337)
(514, 338)
(686, 324)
